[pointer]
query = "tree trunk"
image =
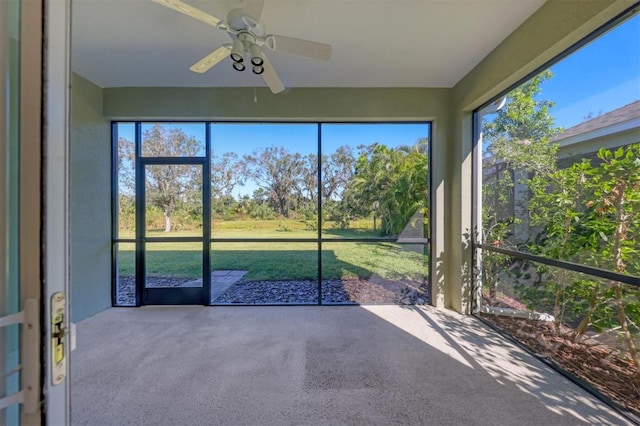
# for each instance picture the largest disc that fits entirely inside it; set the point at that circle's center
(167, 222)
(493, 291)
(622, 317)
(490, 277)
(557, 304)
(578, 333)
(620, 233)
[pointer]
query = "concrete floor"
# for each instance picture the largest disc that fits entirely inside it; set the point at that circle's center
(377, 365)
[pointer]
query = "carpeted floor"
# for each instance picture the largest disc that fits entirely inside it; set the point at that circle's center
(305, 365)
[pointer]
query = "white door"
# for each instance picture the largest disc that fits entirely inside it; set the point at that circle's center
(57, 26)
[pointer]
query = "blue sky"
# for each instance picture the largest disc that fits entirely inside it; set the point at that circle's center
(244, 138)
(600, 77)
(303, 138)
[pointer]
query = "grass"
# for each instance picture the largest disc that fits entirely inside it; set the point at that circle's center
(277, 260)
(276, 228)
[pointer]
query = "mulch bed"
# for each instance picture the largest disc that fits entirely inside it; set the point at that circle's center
(605, 368)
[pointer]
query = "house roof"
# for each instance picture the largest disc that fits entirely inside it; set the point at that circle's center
(624, 114)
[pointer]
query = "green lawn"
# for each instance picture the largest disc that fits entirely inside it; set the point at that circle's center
(279, 260)
(277, 228)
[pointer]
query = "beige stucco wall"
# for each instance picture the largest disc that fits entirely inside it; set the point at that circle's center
(601, 138)
(90, 204)
(293, 104)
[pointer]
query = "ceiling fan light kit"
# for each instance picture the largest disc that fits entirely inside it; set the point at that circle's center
(238, 51)
(256, 55)
(248, 35)
(247, 42)
(238, 66)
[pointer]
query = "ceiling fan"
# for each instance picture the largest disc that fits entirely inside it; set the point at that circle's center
(248, 38)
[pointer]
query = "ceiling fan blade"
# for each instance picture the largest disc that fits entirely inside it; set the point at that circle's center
(270, 76)
(204, 64)
(296, 46)
(189, 10)
(253, 8)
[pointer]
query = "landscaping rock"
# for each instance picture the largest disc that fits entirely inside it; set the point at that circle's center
(336, 291)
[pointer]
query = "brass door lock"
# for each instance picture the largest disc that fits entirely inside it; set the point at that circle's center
(58, 338)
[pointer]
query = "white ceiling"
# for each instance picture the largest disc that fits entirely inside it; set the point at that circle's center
(375, 43)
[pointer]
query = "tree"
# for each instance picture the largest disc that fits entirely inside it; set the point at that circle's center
(126, 166)
(370, 178)
(523, 118)
(126, 183)
(615, 208)
(392, 183)
(278, 172)
(556, 206)
(170, 185)
(517, 148)
(225, 174)
(337, 171)
(589, 213)
(307, 187)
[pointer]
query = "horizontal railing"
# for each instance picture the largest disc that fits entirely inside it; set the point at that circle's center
(589, 270)
(275, 240)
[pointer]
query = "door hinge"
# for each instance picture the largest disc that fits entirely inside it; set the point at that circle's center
(29, 368)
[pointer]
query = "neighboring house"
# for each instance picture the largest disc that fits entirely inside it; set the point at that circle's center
(617, 128)
(614, 129)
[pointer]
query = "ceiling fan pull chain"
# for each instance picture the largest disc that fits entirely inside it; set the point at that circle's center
(255, 91)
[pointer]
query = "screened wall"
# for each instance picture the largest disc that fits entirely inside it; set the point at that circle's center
(557, 218)
(270, 213)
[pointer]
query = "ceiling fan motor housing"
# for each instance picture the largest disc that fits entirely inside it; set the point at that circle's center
(238, 22)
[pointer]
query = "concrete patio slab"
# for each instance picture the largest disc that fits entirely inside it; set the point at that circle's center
(221, 280)
(358, 365)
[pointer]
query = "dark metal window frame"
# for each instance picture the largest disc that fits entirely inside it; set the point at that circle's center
(476, 240)
(207, 238)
